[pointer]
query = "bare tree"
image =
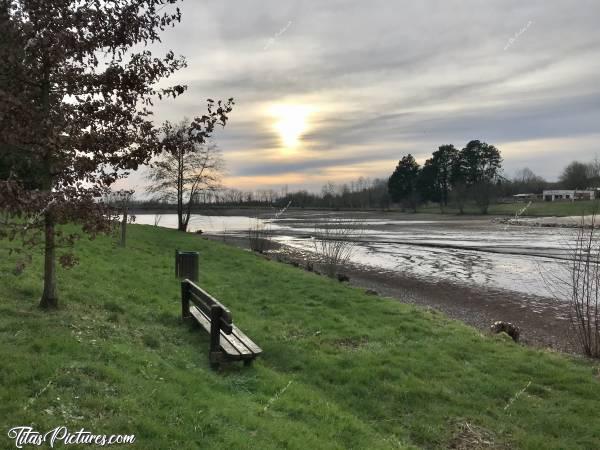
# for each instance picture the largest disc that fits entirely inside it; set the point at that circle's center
(121, 201)
(335, 241)
(584, 284)
(579, 284)
(184, 170)
(259, 236)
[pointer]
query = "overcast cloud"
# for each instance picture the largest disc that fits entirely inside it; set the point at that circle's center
(385, 78)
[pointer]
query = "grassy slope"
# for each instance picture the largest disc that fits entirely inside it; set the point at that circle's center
(535, 209)
(365, 372)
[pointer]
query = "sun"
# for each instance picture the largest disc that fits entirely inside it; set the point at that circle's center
(291, 122)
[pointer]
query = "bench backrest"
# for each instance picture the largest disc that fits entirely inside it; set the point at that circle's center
(220, 316)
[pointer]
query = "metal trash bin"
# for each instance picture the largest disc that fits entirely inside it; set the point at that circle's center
(186, 265)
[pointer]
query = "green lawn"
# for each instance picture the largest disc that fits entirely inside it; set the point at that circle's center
(536, 209)
(340, 369)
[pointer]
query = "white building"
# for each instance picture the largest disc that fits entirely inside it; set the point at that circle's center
(569, 194)
(530, 196)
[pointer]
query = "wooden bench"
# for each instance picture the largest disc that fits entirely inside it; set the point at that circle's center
(227, 342)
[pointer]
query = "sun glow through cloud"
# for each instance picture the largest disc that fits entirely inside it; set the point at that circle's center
(291, 122)
(317, 104)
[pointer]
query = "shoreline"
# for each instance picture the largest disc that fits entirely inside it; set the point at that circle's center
(543, 322)
(587, 221)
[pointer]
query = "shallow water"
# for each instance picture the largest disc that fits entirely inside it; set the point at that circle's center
(208, 224)
(467, 252)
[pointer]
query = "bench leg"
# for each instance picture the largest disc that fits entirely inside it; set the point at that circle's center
(185, 301)
(215, 359)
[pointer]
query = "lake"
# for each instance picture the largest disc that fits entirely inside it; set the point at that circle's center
(461, 250)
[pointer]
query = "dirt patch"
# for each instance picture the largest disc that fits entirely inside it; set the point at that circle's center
(353, 343)
(468, 436)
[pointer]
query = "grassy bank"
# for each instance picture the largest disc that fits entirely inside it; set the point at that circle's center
(340, 369)
(536, 209)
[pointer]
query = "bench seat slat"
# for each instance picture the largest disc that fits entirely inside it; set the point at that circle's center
(205, 322)
(236, 339)
(246, 341)
(236, 345)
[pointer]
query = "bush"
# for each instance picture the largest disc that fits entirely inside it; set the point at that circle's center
(259, 236)
(334, 243)
(579, 285)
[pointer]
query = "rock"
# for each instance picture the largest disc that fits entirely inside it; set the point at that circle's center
(502, 336)
(343, 277)
(371, 292)
(309, 266)
(506, 327)
(294, 263)
(198, 232)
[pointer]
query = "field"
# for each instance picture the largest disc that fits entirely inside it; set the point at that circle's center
(340, 369)
(536, 209)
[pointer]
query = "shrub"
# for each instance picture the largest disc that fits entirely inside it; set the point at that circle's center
(334, 242)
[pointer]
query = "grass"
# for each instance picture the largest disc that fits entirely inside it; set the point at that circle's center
(340, 370)
(536, 209)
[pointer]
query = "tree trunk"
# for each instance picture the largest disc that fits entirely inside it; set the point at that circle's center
(186, 215)
(49, 297)
(182, 222)
(124, 228)
(181, 226)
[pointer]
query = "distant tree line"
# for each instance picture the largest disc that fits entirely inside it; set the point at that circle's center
(472, 173)
(362, 193)
(578, 175)
(451, 177)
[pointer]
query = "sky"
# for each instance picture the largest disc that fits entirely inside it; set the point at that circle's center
(334, 90)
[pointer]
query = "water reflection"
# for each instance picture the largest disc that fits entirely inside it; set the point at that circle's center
(461, 251)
